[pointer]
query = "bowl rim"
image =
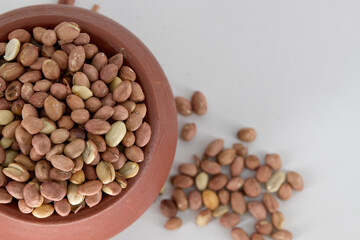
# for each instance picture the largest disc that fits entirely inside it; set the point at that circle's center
(162, 117)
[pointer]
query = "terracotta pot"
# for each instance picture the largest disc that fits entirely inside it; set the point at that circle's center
(113, 214)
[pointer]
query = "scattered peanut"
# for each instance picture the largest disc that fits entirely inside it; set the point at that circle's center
(228, 198)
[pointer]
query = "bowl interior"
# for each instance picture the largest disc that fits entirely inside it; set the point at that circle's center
(110, 42)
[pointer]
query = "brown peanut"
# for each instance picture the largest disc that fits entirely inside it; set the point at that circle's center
(168, 208)
(224, 197)
(15, 189)
(93, 200)
(24, 208)
(137, 94)
(75, 148)
(285, 191)
(183, 106)
(199, 103)
(52, 191)
(21, 34)
(264, 227)
(215, 147)
(278, 220)
(195, 200)
(51, 69)
(252, 188)
(226, 156)
(97, 126)
(235, 184)
(218, 182)
(32, 195)
(99, 60)
(239, 234)
(126, 73)
(17, 172)
(263, 173)
(270, 203)
(238, 203)
(188, 169)
(229, 220)
(180, 199)
(62, 207)
(182, 181)
(62, 163)
(11, 70)
(135, 154)
(273, 161)
(282, 235)
(246, 134)
(252, 162)
(173, 223)
(188, 132)
(295, 180)
(5, 197)
(257, 210)
(210, 167)
(90, 188)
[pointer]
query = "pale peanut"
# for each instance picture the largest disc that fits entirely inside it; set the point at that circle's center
(116, 133)
(275, 181)
(73, 196)
(203, 217)
(129, 170)
(105, 172)
(220, 210)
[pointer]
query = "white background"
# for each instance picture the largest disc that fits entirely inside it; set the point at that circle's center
(290, 69)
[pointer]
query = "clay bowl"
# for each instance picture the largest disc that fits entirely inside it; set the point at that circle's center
(113, 214)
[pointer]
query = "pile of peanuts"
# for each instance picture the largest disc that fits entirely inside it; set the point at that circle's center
(71, 121)
(204, 186)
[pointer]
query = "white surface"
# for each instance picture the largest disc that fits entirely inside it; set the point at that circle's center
(288, 68)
